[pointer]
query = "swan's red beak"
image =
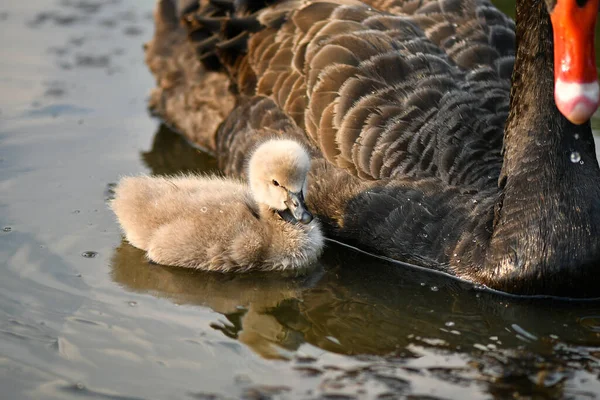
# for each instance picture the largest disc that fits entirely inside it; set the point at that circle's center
(576, 89)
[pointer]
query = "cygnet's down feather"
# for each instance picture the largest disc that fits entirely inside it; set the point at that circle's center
(226, 225)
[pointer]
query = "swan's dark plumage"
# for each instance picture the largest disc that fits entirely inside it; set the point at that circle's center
(405, 115)
(373, 90)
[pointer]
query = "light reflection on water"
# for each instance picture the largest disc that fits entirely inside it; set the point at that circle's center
(72, 121)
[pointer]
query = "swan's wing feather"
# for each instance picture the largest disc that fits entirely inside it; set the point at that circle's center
(423, 93)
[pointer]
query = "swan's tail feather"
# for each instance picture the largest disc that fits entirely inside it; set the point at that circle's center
(219, 31)
(194, 99)
(166, 14)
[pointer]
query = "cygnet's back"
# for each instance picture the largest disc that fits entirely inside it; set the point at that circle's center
(223, 224)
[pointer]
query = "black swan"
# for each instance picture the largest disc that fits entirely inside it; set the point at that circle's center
(423, 151)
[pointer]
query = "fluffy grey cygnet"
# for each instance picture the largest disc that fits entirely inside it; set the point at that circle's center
(221, 224)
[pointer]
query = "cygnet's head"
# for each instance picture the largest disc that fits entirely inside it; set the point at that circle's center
(277, 173)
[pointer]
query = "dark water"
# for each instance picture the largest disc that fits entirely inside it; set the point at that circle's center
(83, 315)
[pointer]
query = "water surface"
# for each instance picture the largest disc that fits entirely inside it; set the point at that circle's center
(82, 314)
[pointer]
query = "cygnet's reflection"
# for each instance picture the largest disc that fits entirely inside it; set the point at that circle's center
(245, 299)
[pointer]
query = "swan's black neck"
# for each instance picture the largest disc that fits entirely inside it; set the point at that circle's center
(547, 218)
(534, 123)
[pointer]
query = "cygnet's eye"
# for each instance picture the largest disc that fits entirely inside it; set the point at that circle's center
(275, 182)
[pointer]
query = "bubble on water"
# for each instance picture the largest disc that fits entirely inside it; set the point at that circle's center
(434, 289)
(133, 30)
(449, 323)
(89, 254)
(242, 379)
(575, 157)
(203, 209)
(7, 229)
(333, 339)
(523, 333)
(422, 283)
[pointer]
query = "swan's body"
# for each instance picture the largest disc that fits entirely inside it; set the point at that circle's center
(420, 152)
(225, 225)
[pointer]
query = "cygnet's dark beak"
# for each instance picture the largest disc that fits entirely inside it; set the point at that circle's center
(295, 203)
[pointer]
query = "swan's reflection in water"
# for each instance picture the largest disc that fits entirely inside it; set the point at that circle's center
(172, 154)
(358, 305)
(355, 304)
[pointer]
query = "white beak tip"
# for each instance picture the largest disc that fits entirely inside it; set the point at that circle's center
(577, 101)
